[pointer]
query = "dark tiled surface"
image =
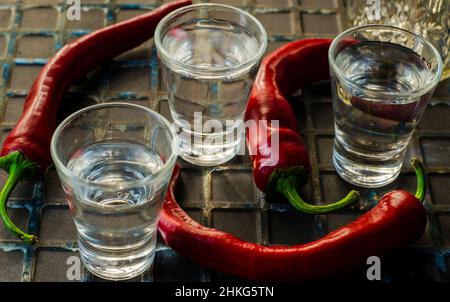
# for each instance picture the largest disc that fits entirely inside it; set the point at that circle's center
(278, 23)
(23, 191)
(243, 223)
(232, 187)
(447, 262)
(39, 18)
(289, 227)
(34, 46)
(340, 219)
(136, 79)
(217, 276)
(13, 110)
(398, 267)
(318, 3)
(61, 265)
(324, 145)
(275, 3)
(91, 19)
(436, 151)
(53, 191)
(444, 228)
(22, 76)
(322, 114)
(57, 224)
(435, 119)
(439, 188)
(142, 52)
(2, 46)
(11, 264)
(222, 197)
(170, 266)
(20, 218)
(319, 24)
(5, 18)
(190, 187)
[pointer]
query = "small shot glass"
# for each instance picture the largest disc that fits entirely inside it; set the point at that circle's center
(383, 78)
(210, 54)
(114, 161)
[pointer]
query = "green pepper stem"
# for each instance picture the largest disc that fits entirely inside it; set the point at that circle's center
(19, 168)
(287, 186)
(421, 178)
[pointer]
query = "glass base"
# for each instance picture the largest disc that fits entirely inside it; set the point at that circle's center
(364, 174)
(117, 265)
(207, 161)
(210, 155)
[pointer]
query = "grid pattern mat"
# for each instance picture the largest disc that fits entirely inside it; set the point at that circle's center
(223, 197)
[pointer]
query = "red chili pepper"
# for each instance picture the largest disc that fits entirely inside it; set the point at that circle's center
(398, 220)
(26, 150)
(281, 73)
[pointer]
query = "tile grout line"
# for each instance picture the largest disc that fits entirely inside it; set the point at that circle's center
(207, 208)
(432, 214)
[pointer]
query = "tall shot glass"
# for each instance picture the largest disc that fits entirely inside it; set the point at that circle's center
(383, 78)
(114, 161)
(210, 54)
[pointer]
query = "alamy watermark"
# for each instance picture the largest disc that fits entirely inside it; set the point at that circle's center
(73, 272)
(374, 271)
(73, 12)
(373, 10)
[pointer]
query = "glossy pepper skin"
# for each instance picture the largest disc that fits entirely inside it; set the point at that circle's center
(26, 149)
(398, 220)
(283, 72)
(284, 168)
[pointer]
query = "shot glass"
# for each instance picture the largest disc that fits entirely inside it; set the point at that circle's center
(210, 54)
(383, 78)
(114, 161)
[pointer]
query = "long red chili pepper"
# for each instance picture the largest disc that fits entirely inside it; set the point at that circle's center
(281, 73)
(26, 150)
(398, 220)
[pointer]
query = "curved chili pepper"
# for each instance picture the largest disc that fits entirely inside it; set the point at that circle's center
(398, 220)
(283, 72)
(26, 150)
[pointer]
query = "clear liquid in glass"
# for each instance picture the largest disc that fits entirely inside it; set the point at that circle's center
(118, 242)
(372, 133)
(208, 109)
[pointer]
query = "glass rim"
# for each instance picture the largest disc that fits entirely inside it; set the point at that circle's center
(128, 184)
(411, 94)
(223, 71)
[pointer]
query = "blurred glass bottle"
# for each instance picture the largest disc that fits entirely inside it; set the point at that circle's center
(428, 18)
